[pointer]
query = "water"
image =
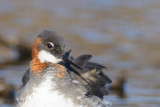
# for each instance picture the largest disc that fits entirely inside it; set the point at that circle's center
(123, 35)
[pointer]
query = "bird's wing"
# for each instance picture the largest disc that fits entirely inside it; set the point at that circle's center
(91, 75)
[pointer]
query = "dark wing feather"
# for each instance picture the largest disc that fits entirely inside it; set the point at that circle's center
(25, 78)
(82, 60)
(92, 65)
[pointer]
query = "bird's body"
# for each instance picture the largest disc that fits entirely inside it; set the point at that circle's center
(52, 82)
(49, 90)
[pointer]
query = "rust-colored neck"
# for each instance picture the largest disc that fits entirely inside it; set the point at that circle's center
(34, 49)
(36, 65)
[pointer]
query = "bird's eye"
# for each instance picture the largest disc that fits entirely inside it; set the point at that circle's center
(50, 45)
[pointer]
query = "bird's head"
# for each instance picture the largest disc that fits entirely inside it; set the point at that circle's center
(48, 47)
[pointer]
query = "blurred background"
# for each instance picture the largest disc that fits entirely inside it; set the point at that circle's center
(123, 35)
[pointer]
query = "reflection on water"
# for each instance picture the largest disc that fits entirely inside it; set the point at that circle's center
(123, 35)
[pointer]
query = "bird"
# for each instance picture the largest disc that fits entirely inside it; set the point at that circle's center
(56, 79)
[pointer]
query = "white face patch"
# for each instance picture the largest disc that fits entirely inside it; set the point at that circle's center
(45, 56)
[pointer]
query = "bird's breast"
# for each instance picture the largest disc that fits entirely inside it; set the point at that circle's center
(46, 96)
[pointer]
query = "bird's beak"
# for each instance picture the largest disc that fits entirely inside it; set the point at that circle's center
(66, 59)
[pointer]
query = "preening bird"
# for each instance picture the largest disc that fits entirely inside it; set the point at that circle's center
(56, 79)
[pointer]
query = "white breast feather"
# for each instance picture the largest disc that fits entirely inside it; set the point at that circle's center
(43, 96)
